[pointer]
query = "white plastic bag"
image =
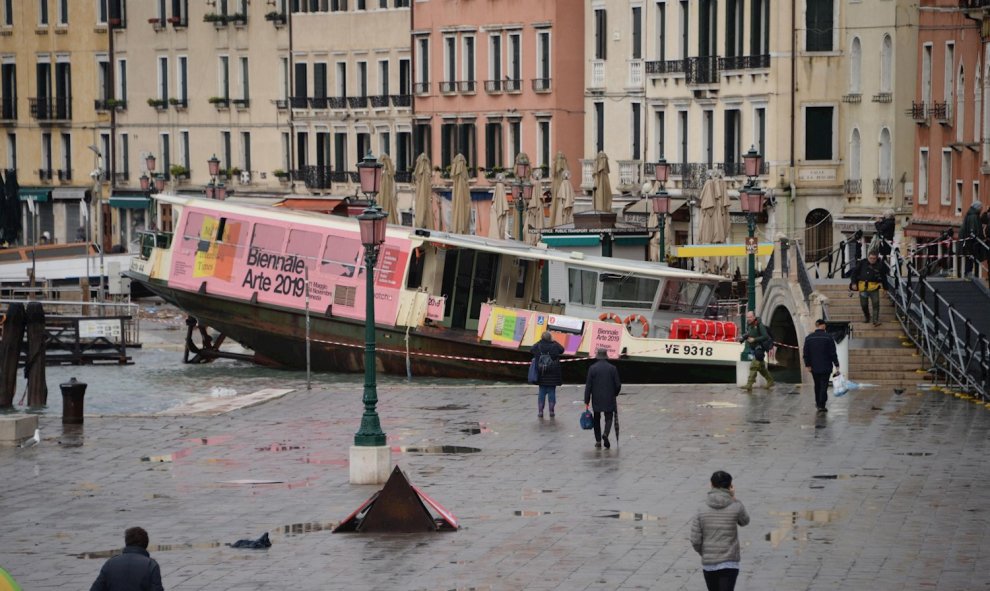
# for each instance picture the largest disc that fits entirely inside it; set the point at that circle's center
(839, 385)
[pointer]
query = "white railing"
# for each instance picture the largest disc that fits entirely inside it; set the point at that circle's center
(629, 172)
(587, 174)
(635, 74)
(598, 74)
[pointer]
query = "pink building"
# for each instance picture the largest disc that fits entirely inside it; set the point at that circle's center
(492, 79)
(951, 109)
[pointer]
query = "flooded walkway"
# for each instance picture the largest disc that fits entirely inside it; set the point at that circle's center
(884, 492)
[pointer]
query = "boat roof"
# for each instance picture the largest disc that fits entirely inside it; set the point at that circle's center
(420, 235)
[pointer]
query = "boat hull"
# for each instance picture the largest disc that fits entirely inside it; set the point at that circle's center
(278, 338)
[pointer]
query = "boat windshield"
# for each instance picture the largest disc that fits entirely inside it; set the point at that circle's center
(628, 291)
(685, 296)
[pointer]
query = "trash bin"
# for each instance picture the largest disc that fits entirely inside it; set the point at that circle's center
(73, 392)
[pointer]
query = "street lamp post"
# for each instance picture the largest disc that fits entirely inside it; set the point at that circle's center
(522, 191)
(97, 176)
(215, 189)
(661, 202)
(751, 199)
(370, 457)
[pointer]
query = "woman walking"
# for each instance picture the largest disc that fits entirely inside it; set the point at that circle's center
(546, 353)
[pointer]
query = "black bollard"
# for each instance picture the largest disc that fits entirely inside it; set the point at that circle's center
(73, 392)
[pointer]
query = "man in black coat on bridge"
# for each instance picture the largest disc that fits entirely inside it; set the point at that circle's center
(600, 390)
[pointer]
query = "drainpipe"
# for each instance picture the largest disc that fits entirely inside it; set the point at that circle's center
(791, 223)
(112, 157)
(288, 98)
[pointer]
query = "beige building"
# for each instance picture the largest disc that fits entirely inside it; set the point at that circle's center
(699, 82)
(52, 54)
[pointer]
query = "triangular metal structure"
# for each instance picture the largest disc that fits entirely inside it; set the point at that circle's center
(399, 507)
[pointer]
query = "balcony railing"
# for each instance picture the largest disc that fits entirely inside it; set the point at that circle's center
(282, 104)
(635, 74)
(883, 187)
(448, 87)
(466, 86)
(597, 74)
(403, 176)
(45, 174)
(241, 103)
(918, 112)
(357, 102)
(109, 104)
(852, 186)
(379, 101)
(421, 88)
(541, 84)
(974, 3)
(340, 176)
(629, 172)
(337, 102)
(744, 62)
(401, 100)
(665, 67)
(853, 98)
(883, 97)
(513, 85)
(940, 111)
(587, 174)
(315, 177)
(493, 86)
(318, 102)
(8, 109)
(122, 177)
(64, 174)
(298, 102)
(702, 70)
(47, 109)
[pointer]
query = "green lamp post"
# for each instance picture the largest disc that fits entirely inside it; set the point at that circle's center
(751, 199)
(522, 191)
(661, 202)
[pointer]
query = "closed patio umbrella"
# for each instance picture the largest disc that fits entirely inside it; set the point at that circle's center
(460, 216)
(386, 196)
(423, 205)
(562, 211)
(556, 178)
(500, 211)
(534, 216)
(602, 197)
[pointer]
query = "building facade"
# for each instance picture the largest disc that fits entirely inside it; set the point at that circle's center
(950, 113)
(493, 79)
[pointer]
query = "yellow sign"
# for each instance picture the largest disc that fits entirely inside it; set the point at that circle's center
(719, 250)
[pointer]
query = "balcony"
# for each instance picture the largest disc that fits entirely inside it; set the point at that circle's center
(122, 177)
(315, 177)
(340, 176)
(541, 85)
(379, 101)
(180, 104)
(587, 174)
(629, 173)
(403, 176)
(919, 112)
(357, 102)
(883, 97)
(466, 86)
(597, 74)
(635, 74)
(941, 112)
(852, 98)
(8, 109)
(971, 4)
(448, 87)
(421, 88)
(298, 102)
(51, 109)
(883, 188)
(663, 67)
(852, 187)
(401, 100)
(493, 86)
(220, 102)
(178, 22)
(158, 24)
(337, 102)
(513, 85)
(744, 62)
(277, 18)
(701, 70)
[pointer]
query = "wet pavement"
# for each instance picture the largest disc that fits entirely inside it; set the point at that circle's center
(884, 492)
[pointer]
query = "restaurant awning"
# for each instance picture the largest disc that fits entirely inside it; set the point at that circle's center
(35, 194)
(130, 200)
(73, 193)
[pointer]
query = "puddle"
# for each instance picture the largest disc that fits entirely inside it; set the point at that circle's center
(718, 404)
(798, 526)
(445, 407)
(914, 453)
(210, 440)
(277, 447)
(760, 421)
(438, 449)
(845, 476)
(629, 516)
(104, 554)
(476, 429)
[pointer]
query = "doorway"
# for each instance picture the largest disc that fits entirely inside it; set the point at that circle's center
(469, 279)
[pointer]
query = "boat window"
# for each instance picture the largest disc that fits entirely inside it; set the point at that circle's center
(630, 292)
(233, 233)
(304, 244)
(341, 256)
(268, 239)
(582, 287)
(679, 295)
(521, 279)
(417, 263)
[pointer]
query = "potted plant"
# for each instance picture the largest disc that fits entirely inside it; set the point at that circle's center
(175, 20)
(281, 175)
(157, 103)
(155, 20)
(212, 17)
(219, 101)
(276, 17)
(237, 17)
(115, 104)
(178, 171)
(233, 172)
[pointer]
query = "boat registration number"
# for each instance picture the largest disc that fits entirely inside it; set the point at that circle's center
(690, 350)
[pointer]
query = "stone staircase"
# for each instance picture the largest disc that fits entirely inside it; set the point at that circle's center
(880, 355)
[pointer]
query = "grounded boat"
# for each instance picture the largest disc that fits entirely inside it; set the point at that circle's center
(446, 305)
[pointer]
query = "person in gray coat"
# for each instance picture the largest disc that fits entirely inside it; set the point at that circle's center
(600, 390)
(715, 535)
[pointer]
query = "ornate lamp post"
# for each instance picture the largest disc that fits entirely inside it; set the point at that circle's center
(215, 189)
(522, 191)
(661, 201)
(370, 435)
(751, 200)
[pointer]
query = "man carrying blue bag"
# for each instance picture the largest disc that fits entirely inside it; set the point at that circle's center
(600, 390)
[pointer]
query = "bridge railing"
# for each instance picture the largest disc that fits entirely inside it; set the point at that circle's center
(955, 348)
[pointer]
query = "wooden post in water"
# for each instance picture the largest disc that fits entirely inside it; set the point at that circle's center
(10, 351)
(34, 367)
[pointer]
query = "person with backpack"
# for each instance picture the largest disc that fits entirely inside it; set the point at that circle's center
(758, 344)
(546, 354)
(868, 277)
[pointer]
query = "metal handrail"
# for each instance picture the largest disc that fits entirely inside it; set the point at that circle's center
(839, 251)
(953, 346)
(804, 279)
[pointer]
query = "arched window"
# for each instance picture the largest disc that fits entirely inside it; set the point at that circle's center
(885, 168)
(886, 64)
(855, 157)
(960, 113)
(855, 65)
(817, 235)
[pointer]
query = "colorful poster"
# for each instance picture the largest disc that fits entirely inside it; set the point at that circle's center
(608, 336)
(486, 313)
(435, 306)
(509, 326)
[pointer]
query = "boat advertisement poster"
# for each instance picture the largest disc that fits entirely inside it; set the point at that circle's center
(244, 256)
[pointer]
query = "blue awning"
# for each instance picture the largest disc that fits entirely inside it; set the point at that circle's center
(130, 200)
(35, 194)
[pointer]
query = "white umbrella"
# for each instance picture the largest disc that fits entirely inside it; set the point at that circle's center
(386, 197)
(534, 220)
(602, 198)
(498, 221)
(423, 179)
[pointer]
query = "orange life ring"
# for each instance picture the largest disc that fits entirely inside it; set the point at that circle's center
(642, 320)
(610, 316)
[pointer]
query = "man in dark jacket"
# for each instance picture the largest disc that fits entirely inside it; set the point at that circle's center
(819, 358)
(133, 570)
(756, 338)
(971, 233)
(546, 354)
(600, 390)
(885, 231)
(868, 276)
